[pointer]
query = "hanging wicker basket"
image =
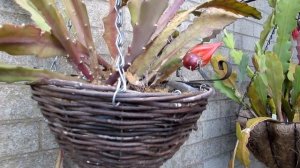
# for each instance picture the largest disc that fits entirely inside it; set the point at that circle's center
(275, 144)
(144, 130)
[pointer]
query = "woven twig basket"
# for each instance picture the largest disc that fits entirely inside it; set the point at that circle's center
(144, 130)
(275, 144)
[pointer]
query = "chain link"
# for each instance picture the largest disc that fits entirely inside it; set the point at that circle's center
(120, 62)
(270, 38)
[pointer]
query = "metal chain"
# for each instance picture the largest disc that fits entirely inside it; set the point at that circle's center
(270, 38)
(120, 62)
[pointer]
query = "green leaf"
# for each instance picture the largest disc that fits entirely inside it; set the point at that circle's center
(229, 92)
(287, 109)
(166, 70)
(243, 68)
(285, 13)
(291, 72)
(261, 88)
(238, 131)
(275, 78)
(257, 93)
(29, 40)
(11, 74)
(268, 25)
(235, 7)
(35, 15)
(255, 121)
(236, 55)
(229, 40)
(250, 72)
(296, 86)
(241, 151)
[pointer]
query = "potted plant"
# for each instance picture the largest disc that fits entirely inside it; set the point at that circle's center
(270, 104)
(124, 116)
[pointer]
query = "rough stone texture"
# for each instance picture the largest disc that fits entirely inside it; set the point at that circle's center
(26, 142)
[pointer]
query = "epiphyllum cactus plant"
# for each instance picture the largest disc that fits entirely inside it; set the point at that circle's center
(151, 57)
(274, 90)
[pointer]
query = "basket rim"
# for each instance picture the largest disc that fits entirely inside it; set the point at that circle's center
(129, 93)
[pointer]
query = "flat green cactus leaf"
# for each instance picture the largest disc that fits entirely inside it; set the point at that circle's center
(257, 93)
(241, 150)
(243, 68)
(268, 25)
(296, 86)
(29, 40)
(274, 66)
(286, 12)
(235, 7)
(35, 15)
(11, 74)
(229, 92)
(166, 70)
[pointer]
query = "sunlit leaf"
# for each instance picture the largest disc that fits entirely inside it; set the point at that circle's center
(11, 74)
(275, 82)
(291, 72)
(235, 7)
(229, 92)
(241, 151)
(35, 15)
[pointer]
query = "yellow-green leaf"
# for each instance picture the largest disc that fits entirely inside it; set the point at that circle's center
(238, 131)
(257, 94)
(296, 86)
(235, 7)
(35, 14)
(11, 73)
(29, 40)
(275, 78)
(291, 71)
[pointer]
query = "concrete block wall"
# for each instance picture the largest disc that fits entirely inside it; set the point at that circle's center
(26, 142)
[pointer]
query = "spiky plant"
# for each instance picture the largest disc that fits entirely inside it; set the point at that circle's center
(151, 51)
